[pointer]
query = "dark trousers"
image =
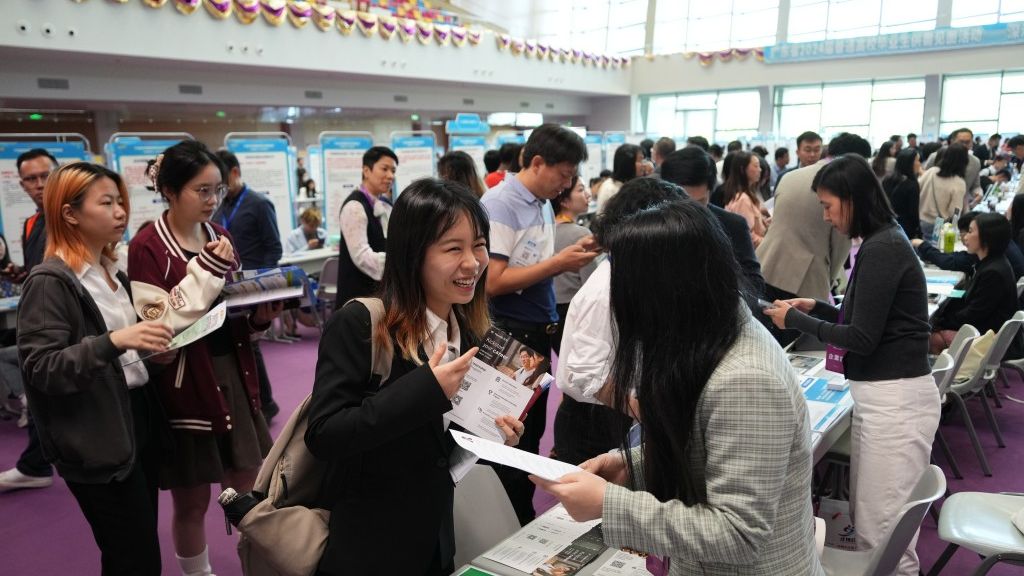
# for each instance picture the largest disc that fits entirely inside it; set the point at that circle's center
(787, 336)
(32, 462)
(266, 394)
(123, 514)
(517, 485)
(584, 430)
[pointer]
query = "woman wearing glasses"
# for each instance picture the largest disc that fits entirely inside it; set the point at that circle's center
(210, 393)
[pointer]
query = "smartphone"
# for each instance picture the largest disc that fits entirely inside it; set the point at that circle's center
(764, 304)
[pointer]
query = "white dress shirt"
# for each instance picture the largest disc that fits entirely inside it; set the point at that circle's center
(587, 338)
(437, 333)
(116, 308)
(353, 228)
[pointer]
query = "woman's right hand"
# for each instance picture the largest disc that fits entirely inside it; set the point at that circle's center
(148, 336)
(450, 374)
(804, 305)
(611, 466)
(222, 248)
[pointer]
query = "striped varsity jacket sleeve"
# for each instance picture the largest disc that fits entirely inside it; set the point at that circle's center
(160, 290)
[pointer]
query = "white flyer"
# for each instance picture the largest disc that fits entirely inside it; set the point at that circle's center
(520, 459)
(539, 540)
(623, 564)
(206, 325)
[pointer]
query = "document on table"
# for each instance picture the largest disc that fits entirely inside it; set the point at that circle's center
(520, 459)
(206, 325)
(806, 365)
(529, 548)
(498, 383)
(623, 564)
(824, 405)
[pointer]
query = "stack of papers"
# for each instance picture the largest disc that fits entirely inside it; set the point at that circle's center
(824, 406)
(530, 548)
(251, 287)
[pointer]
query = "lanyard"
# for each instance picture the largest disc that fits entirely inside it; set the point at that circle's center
(226, 219)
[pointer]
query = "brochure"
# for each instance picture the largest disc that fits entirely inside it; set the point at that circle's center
(206, 325)
(824, 405)
(251, 287)
(806, 365)
(623, 563)
(505, 377)
(575, 556)
(531, 547)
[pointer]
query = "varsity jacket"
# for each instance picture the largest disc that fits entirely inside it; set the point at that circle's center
(169, 286)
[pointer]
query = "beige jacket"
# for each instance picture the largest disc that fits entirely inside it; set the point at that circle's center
(940, 196)
(801, 253)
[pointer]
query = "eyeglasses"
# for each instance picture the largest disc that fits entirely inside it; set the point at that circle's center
(206, 193)
(36, 178)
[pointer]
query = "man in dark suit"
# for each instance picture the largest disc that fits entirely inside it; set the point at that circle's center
(695, 171)
(34, 167)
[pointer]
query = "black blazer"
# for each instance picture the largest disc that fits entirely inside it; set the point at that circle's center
(736, 228)
(388, 486)
(990, 299)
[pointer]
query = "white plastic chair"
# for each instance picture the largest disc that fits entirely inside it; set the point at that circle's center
(884, 558)
(945, 378)
(483, 514)
(327, 288)
(981, 522)
(981, 382)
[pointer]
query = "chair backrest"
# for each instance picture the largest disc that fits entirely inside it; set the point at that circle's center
(958, 361)
(966, 331)
(994, 356)
(886, 556)
(1020, 288)
(483, 514)
(329, 272)
(943, 364)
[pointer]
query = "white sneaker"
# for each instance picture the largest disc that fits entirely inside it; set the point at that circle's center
(13, 480)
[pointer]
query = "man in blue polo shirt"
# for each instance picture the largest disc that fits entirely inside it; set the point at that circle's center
(523, 263)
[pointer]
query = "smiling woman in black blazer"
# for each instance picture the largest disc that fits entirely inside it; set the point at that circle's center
(388, 488)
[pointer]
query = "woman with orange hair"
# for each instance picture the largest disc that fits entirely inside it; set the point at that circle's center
(79, 340)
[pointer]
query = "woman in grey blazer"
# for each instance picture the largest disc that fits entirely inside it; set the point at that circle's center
(721, 483)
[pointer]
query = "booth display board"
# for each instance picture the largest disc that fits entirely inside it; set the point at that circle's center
(612, 140)
(415, 151)
(513, 137)
(595, 157)
(129, 154)
(469, 134)
(15, 204)
(268, 167)
(342, 154)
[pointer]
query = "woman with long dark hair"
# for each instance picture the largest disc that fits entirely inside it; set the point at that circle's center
(457, 166)
(881, 335)
(740, 195)
(943, 187)
(626, 165)
(721, 481)
(384, 435)
(881, 164)
(904, 193)
(1017, 219)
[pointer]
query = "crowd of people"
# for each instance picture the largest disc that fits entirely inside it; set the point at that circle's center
(649, 282)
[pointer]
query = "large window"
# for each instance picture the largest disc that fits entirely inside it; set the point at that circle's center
(985, 103)
(601, 26)
(811, 20)
(978, 12)
(718, 116)
(874, 110)
(702, 26)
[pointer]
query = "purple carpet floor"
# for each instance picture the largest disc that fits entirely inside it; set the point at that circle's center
(43, 533)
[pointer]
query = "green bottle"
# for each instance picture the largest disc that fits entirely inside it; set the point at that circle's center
(948, 238)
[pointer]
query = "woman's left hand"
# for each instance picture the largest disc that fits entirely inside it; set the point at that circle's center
(266, 312)
(778, 313)
(511, 428)
(582, 494)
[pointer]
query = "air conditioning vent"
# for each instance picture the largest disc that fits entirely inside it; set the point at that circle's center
(190, 89)
(314, 95)
(401, 98)
(53, 84)
(468, 102)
